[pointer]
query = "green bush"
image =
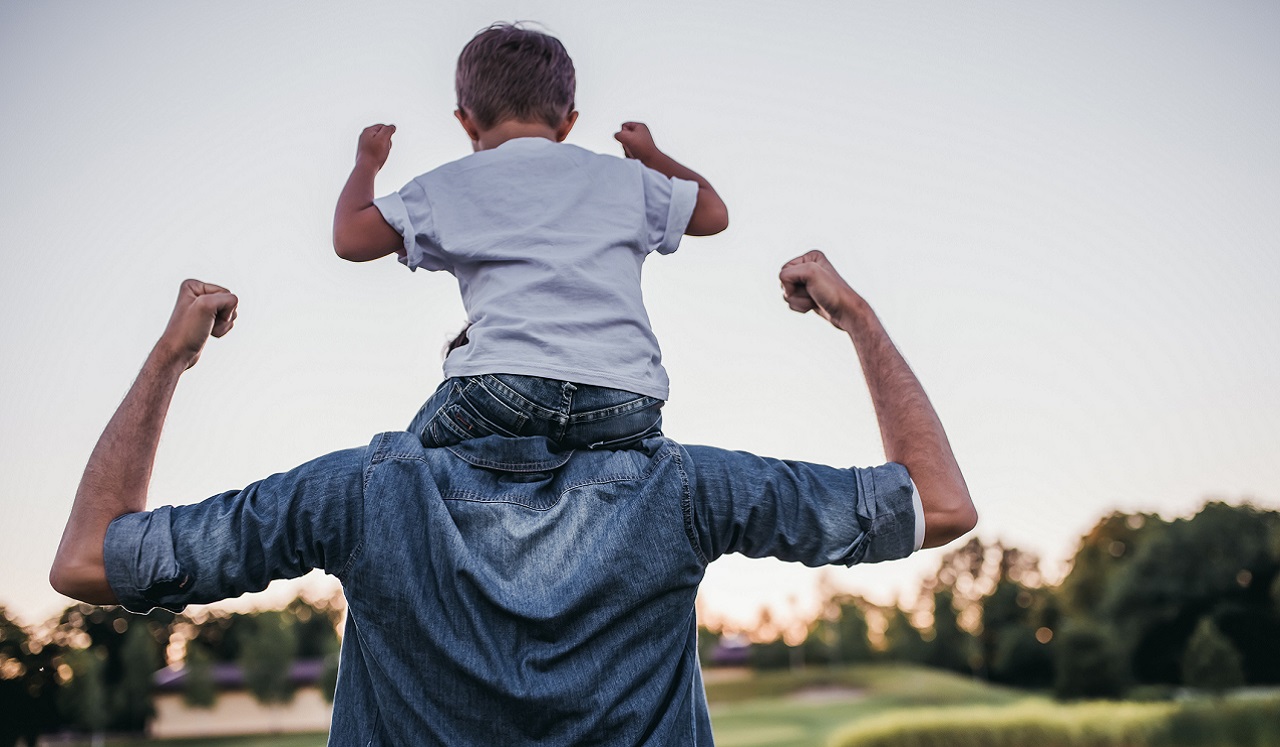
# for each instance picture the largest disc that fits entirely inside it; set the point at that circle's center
(1026, 724)
(1036, 723)
(1238, 722)
(1210, 662)
(1088, 664)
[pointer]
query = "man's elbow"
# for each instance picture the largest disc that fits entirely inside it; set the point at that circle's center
(84, 582)
(965, 520)
(64, 579)
(942, 527)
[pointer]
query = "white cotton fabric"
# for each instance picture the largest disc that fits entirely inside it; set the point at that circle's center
(919, 511)
(547, 241)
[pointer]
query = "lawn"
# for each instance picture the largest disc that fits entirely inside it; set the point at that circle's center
(777, 709)
(808, 708)
(804, 709)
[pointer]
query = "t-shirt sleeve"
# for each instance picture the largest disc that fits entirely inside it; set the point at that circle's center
(801, 512)
(409, 212)
(237, 542)
(668, 204)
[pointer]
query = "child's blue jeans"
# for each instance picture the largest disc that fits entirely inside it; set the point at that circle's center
(574, 416)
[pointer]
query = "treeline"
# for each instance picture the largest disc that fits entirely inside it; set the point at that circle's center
(92, 669)
(1147, 604)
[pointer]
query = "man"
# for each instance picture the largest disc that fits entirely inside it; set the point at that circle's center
(500, 593)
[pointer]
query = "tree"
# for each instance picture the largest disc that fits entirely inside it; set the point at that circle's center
(1021, 659)
(851, 642)
(903, 641)
(1106, 550)
(198, 688)
(1088, 664)
(1219, 563)
(1210, 661)
(708, 640)
(28, 690)
(819, 646)
(84, 697)
(223, 635)
(1004, 614)
(1017, 627)
(329, 677)
(952, 647)
(1275, 593)
(775, 654)
(316, 625)
(105, 629)
(267, 656)
(140, 657)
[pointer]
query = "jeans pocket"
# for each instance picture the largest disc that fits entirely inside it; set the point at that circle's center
(471, 412)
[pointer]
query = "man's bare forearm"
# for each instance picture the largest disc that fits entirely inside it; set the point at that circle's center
(909, 426)
(910, 429)
(119, 469)
(115, 480)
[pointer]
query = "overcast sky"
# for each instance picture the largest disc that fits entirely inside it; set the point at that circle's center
(1065, 214)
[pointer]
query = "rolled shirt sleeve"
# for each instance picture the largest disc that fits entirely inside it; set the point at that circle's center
(409, 213)
(669, 204)
(239, 541)
(801, 512)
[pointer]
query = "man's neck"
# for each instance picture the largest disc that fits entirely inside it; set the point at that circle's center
(512, 129)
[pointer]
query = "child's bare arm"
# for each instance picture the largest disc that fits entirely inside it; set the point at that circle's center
(359, 231)
(710, 216)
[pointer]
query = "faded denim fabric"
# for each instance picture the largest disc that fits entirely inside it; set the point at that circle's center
(501, 593)
(573, 416)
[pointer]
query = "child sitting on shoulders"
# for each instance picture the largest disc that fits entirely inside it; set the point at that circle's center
(546, 241)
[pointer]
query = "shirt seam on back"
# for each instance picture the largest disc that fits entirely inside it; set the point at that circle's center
(686, 508)
(364, 506)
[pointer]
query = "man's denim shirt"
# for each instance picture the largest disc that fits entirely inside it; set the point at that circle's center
(499, 593)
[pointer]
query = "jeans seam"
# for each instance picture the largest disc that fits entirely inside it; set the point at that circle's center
(515, 400)
(626, 408)
(686, 508)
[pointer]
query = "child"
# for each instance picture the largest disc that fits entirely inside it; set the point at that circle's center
(546, 240)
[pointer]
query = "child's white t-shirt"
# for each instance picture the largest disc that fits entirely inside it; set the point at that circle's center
(546, 240)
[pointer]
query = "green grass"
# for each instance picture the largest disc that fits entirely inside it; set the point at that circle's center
(780, 710)
(1241, 720)
(903, 706)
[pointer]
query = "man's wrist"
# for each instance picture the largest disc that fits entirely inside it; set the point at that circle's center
(855, 315)
(168, 358)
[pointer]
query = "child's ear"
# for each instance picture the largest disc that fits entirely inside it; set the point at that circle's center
(562, 131)
(473, 132)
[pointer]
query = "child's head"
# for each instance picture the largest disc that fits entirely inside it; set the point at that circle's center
(512, 73)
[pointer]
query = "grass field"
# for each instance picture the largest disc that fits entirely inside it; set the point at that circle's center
(803, 709)
(781, 709)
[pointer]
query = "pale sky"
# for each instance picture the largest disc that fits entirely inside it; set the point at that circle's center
(1065, 214)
